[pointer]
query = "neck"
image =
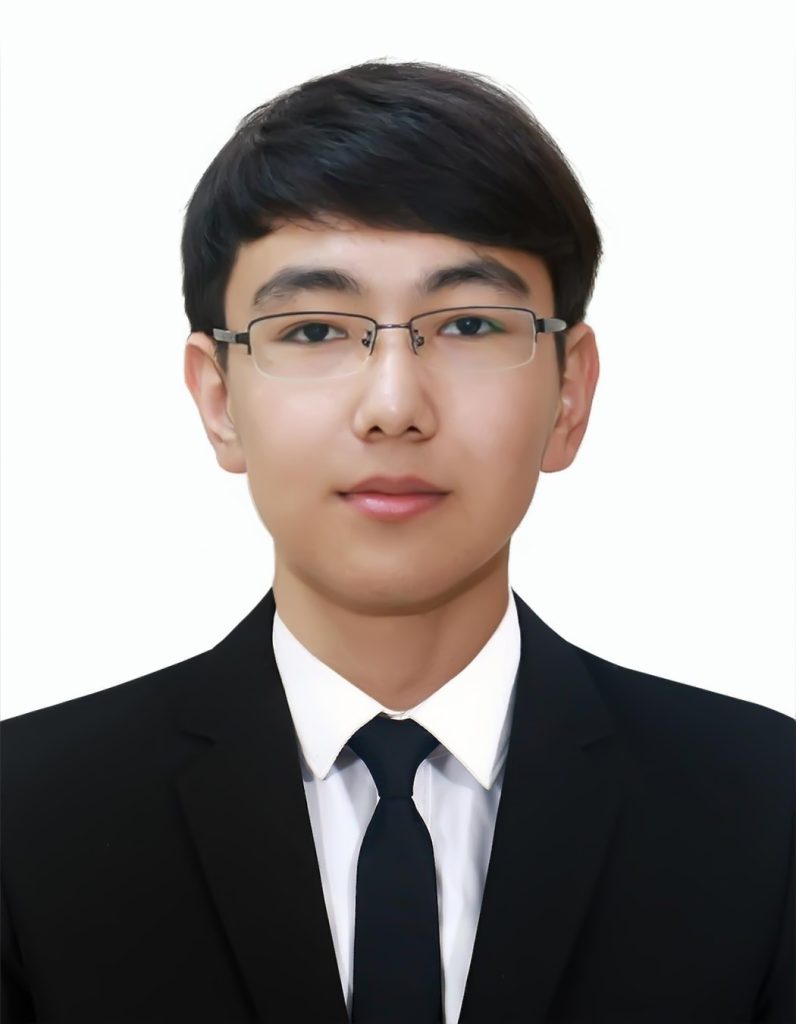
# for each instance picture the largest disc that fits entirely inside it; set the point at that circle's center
(397, 647)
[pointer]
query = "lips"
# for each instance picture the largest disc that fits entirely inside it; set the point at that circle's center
(392, 507)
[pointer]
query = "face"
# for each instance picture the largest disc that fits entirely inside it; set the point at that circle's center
(482, 437)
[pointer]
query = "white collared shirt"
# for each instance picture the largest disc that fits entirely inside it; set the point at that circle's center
(457, 788)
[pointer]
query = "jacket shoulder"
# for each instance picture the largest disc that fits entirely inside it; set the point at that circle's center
(47, 735)
(699, 733)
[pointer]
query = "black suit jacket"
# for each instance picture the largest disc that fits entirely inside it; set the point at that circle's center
(159, 865)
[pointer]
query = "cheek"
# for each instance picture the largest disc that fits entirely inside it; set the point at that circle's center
(287, 463)
(502, 437)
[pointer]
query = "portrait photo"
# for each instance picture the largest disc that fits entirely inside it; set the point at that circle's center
(397, 513)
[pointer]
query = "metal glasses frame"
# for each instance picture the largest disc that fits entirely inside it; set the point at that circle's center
(542, 325)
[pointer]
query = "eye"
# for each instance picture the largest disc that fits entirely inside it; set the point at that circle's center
(471, 320)
(315, 331)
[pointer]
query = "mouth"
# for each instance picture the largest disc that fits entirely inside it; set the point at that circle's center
(392, 507)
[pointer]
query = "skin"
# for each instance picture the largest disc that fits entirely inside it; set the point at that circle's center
(398, 609)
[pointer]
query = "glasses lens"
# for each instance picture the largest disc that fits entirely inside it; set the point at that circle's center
(476, 338)
(312, 345)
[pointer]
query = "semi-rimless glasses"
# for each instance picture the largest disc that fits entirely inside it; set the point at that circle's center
(476, 339)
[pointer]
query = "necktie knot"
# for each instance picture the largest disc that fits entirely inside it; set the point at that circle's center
(393, 749)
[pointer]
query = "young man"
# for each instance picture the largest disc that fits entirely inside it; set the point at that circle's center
(393, 793)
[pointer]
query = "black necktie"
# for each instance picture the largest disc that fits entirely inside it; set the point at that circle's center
(397, 967)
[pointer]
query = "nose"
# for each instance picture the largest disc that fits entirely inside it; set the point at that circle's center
(395, 395)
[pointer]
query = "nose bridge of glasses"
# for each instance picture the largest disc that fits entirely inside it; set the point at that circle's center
(380, 328)
(384, 327)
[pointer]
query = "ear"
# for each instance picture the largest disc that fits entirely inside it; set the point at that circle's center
(575, 400)
(205, 380)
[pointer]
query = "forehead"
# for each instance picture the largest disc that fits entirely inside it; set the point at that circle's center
(386, 263)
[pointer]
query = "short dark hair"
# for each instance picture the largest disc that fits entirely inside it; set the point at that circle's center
(405, 145)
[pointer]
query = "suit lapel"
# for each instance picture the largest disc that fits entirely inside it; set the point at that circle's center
(565, 780)
(244, 802)
(243, 799)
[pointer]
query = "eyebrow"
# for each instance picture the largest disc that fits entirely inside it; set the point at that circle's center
(293, 280)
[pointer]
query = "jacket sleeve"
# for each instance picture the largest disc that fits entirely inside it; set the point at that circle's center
(16, 998)
(776, 1002)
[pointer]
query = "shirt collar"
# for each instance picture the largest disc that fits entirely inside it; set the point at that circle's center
(470, 715)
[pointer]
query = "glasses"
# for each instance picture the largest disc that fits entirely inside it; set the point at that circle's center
(476, 339)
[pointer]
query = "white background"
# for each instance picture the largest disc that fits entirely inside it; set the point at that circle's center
(667, 546)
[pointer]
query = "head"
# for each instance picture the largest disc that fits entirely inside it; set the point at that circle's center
(388, 172)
